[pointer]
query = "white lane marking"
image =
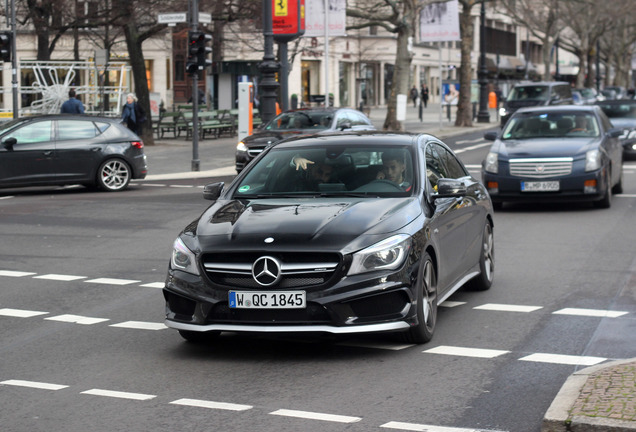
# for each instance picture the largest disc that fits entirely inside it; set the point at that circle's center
(473, 167)
(624, 196)
(59, 277)
(451, 304)
(153, 185)
(377, 345)
(465, 149)
(563, 359)
(466, 352)
(77, 319)
(154, 285)
(507, 307)
(140, 325)
(428, 428)
(118, 394)
(590, 312)
(181, 186)
(7, 197)
(20, 313)
(316, 416)
(10, 273)
(476, 140)
(212, 405)
(109, 281)
(34, 384)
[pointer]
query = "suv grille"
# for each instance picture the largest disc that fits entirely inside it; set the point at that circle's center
(297, 269)
(541, 168)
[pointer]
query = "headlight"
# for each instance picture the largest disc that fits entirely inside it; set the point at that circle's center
(389, 254)
(631, 134)
(592, 160)
(182, 258)
(492, 163)
(502, 112)
(241, 147)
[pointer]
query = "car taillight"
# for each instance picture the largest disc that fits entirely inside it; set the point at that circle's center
(138, 144)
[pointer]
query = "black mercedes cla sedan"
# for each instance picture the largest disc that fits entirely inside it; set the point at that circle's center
(70, 149)
(342, 233)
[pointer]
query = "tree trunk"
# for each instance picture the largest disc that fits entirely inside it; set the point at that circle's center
(464, 107)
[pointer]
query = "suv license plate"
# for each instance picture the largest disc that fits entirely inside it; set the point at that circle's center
(267, 300)
(540, 186)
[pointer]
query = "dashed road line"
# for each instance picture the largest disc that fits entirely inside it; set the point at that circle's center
(140, 325)
(20, 313)
(507, 307)
(474, 147)
(590, 313)
(212, 405)
(452, 304)
(10, 273)
(59, 277)
(154, 285)
(316, 416)
(563, 359)
(34, 384)
(77, 319)
(109, 281)
(466, 352)
(118, 394)
(429, 428)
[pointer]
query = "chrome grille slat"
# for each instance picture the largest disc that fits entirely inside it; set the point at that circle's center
(541, 168)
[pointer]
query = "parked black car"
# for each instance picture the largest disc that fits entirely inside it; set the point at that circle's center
(70, 149)
(372, 235)
(622, 114)
(527, 94)
(304, 121)
(555, 154)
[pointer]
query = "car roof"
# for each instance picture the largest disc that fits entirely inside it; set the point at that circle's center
(86, 117)
(559, 108)
(543, 83)
(361, 138)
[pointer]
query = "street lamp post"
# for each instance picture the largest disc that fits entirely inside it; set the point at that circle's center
(483, 116)
(268, 67)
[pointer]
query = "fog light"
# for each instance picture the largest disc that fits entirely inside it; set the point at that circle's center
(589, 187)
(493, 187)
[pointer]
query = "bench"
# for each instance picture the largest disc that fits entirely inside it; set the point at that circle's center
(170, 121)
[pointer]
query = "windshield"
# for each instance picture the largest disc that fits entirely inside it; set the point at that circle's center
(557, 125)
(529, 92)
(619, 110)
(295, 120)
(329, 171)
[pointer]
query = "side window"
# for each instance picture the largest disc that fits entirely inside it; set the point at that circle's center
(76, 129)
(358, 119)
(435, 169)
(454, 168)
(344, 118)
(33, 132)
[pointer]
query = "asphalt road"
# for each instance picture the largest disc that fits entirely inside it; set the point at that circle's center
(83, 347)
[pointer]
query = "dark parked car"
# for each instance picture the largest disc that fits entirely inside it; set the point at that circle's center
(375, 233)
(70, 149)
(529, 94)
(555, 154)
(304, 121)
(622, 114)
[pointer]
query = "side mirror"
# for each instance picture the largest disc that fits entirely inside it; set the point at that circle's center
(490, 136)
(344, 125)
(9, 143)
(615, 133)
(449, 188)
(213, 191)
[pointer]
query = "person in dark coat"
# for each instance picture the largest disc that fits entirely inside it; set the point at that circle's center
(133, 115)
(424, 95)
(413, 95)
(72, 105)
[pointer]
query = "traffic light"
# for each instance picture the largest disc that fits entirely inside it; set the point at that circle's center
(5, 46)
(198, 51)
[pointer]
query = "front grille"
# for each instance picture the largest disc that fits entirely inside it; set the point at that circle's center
(312, 314)
(298, 269)
(541, 168)
(255, 151)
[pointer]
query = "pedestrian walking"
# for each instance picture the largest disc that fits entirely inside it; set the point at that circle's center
(72, 105)
(413, 95)
(424, 94)
(133, 115)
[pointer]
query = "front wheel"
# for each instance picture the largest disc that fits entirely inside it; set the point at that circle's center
(606, 201)
(426, 304)
(483, 281)
(113, 175)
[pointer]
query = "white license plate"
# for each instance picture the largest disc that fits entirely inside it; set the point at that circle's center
(540, 186)
(267, 300)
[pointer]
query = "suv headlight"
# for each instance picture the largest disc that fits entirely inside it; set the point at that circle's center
(592, 160)
(183, 258)
(502, 112)
(388, 254)
(241, 147)
(491, 163)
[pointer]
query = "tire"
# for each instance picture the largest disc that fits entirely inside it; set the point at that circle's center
(618, 187)
(606, 201)
(483, 281)
(199, 337)
(426, 304)
(113, 175)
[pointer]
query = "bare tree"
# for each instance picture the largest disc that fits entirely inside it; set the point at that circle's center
(466, 28)
(399, 18)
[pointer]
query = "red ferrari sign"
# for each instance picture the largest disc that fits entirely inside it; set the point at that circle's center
(288, 19)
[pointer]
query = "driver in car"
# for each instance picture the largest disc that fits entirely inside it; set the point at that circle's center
(394, 168)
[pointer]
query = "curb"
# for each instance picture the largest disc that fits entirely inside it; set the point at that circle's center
(557, 417)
